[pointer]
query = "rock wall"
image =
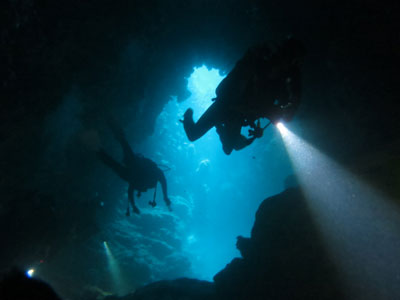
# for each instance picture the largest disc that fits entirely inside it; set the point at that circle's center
(283, 258)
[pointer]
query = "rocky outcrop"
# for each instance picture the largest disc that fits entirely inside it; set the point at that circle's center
(179, 289)
(15, 285)
(283, 258)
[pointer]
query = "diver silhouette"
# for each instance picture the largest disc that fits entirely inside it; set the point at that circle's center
(140, 172)
(265, 83)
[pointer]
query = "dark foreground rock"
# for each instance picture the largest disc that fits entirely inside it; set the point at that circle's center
(179, 289)
(15, 285)
(283, 259)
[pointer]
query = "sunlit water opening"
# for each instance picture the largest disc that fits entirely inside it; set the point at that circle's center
(214, 196)
(202, 84)
(359, 225)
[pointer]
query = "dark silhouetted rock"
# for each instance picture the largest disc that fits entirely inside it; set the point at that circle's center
(179, 289)
(283, 259)
(15, 285)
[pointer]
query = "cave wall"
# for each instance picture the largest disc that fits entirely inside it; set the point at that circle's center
(66, 65)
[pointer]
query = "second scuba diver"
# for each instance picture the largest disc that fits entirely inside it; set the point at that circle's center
(141, 173)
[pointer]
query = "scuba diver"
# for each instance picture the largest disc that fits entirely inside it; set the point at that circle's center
(263, 84)
(141, 173)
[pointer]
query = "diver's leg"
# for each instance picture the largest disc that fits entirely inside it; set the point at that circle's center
(163, 182)
(225, 140)
(119, 169)
(132, 200)
(207, 121)
(120, 137)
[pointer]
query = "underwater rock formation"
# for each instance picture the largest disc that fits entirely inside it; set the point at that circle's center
(283, 258)
(179, 289)
(15, 285)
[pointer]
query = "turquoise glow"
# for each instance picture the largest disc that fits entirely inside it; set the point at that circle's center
(214, 196)
(202, 84)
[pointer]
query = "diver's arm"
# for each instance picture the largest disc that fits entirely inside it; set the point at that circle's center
(163, 182)
(243, 142)
(256, 132)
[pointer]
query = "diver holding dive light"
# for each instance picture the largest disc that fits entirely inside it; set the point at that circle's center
(263, 84)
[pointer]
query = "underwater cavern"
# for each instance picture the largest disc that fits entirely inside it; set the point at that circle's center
(111, 190)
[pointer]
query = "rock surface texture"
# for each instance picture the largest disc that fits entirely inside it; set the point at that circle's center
(283, 258)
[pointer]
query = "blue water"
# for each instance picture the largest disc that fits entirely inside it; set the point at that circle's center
(221, 193)
(214, 199)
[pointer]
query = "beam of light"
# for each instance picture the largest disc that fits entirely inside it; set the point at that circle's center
(30, 272)
(282, 129)
(360, 226)
(114, 269)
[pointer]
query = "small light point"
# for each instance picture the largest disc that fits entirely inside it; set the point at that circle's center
(30, 272)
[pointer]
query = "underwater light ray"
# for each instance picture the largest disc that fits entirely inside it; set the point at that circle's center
(282, 129)
(114, 268)
(360, 226)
